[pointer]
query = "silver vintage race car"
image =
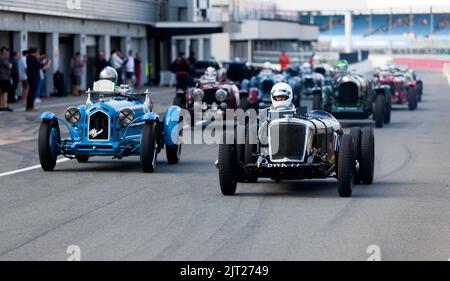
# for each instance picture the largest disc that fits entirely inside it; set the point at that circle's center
(295, 145)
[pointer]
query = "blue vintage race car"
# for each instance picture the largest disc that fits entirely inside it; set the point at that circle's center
(114, 122)
(262, 84)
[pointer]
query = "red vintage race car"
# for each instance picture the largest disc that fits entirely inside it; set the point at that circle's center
(404, 89)
(210, 98)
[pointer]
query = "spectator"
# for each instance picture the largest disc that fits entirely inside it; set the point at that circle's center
(23, 75)
(138, 70)
(14, 60)
(77, 69)
(192, 59)
(311, 59)
(284, 60)
(44, 66)
(117, 64)
(181, 69)
(99, 64)
(129, 68)
(5, 78)
(34, 77)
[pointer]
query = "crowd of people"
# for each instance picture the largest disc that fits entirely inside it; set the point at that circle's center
(27, 70)
(23, 76)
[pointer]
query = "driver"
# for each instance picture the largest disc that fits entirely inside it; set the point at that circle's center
(342, 68)
(210, 74)
(110, 74)
(306, 68)
(282, 96)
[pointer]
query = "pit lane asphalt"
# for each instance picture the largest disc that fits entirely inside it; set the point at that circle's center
(113, 211)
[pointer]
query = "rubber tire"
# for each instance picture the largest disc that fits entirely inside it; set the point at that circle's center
(387, 114)
(82, 158)
(47, 160)
(227, 165)
(148, 143)
(172, 154)
(420, 91)
(317, 102)
(367, 164)
(356, 138)
(412, 99)
(345, 166)
(378, 112)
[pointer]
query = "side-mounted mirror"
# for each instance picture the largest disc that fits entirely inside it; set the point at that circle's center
(148, 104)
(88, 100)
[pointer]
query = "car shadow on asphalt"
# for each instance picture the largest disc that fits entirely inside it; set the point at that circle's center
(307, 189)
(319, 189)
(134, 166)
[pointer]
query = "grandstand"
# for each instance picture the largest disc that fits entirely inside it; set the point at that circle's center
(366, 25)
(404, 26)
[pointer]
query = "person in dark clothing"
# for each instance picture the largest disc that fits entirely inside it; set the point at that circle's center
(34, 77)
(99, 64)
(5, 78)
(181, 69)
(192, 59)
(14, 60)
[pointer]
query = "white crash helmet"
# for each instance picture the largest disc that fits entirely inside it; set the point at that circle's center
(306, 66)
(267, 65)
(281, 95)
(210, 74)
(109, 73)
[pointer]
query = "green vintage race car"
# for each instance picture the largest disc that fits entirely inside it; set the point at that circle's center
(355, 97)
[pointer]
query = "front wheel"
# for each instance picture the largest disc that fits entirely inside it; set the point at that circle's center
(378, 112)
(173, 152)
(149, 147)
(367, 164)
(356, 138)
(227, 165)
(412, 99)
(345, 166)
(48, 144)
(387, 114)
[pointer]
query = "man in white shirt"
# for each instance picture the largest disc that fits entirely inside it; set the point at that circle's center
(129, 68)
(23, 75)
(117, 63)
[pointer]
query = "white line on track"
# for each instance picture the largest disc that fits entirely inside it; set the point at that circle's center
(30, 168)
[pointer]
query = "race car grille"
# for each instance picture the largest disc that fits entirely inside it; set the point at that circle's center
(267, 86)
(98, 126)
(210, 96)
(287, 142)
(348, 93)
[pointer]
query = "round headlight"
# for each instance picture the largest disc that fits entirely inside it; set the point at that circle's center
(198, 94)
(126, 116)
(72, 115)
(221, 95)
